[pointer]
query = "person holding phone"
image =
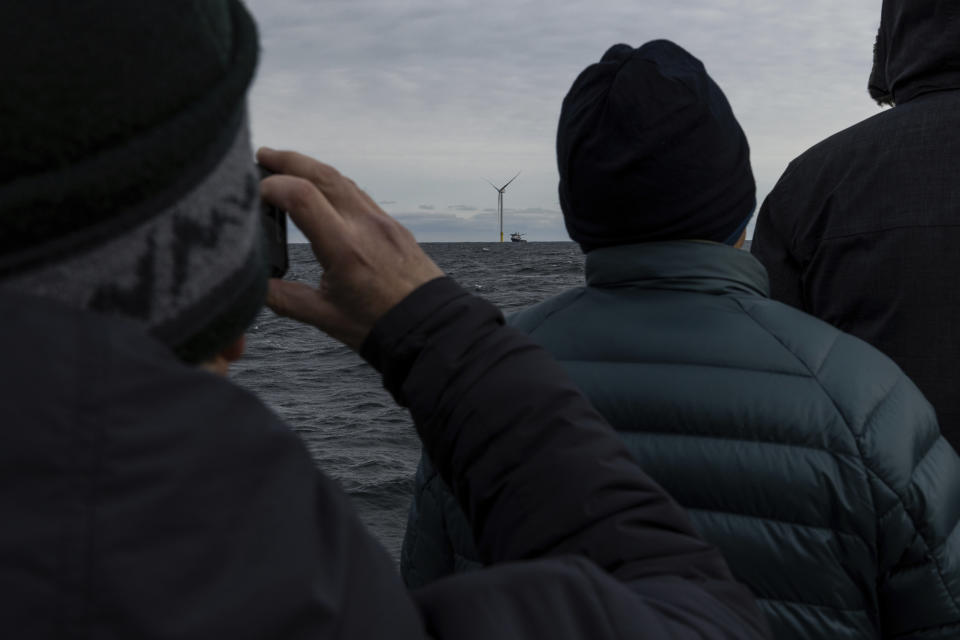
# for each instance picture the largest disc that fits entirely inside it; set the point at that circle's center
(143, 497)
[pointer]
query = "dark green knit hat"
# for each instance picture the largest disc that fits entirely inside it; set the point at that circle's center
(127, 183)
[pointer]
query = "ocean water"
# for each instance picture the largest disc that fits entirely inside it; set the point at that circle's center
(335, 401)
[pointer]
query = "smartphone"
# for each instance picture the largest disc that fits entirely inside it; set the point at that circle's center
(274, 222)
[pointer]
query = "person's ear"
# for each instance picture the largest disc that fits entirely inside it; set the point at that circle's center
(234, 351)
(220, 363)
(741, 240)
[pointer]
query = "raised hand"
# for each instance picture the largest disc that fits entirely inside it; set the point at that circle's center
(370, 261)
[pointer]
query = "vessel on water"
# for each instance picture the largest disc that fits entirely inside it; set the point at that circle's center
(517, 237)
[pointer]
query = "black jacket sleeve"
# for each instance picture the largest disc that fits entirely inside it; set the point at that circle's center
(772, 246)
(144, 499)
(541, 476)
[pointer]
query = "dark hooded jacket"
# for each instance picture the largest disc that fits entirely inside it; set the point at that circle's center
(140, 498)
(863, 229)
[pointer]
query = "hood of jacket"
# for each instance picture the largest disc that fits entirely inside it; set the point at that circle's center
(917, 50)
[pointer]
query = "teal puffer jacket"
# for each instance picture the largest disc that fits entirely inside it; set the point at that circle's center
(806, 455)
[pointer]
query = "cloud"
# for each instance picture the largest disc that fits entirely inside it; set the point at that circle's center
(460, 91)
(427, 207)
(533, 210)
(386, 202)
(461, 207)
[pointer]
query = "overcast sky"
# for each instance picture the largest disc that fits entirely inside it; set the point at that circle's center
(422, 101)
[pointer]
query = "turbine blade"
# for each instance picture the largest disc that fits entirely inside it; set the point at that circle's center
(491, 184)
(511, 180)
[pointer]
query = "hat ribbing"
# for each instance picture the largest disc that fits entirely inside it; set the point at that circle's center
(126, 174)
(648, 149)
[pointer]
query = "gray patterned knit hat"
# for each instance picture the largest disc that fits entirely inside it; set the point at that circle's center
(127, 183)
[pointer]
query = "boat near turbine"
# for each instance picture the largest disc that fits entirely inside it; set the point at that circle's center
(517, 237)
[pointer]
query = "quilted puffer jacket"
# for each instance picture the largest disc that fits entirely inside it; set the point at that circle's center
(806, 455)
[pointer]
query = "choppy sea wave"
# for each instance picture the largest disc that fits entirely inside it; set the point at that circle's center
(335, 401)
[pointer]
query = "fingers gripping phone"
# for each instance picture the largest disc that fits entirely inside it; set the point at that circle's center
(274, 222)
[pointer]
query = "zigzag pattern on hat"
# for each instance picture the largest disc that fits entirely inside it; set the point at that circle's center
(179, 267)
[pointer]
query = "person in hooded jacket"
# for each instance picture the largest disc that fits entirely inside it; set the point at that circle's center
(143, 496)
(862, 229)
(802, 452)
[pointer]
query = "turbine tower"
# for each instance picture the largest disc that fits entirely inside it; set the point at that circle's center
(500, 191)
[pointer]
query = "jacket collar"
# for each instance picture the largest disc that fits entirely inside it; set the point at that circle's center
(684, 265)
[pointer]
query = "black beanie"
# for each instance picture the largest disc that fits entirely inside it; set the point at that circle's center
(648, 149)
(127, 183)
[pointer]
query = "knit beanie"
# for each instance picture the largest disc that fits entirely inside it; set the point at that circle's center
(127, 181)
(648, 149)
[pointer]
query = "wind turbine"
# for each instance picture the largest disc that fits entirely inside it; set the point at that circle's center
(500, 191)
